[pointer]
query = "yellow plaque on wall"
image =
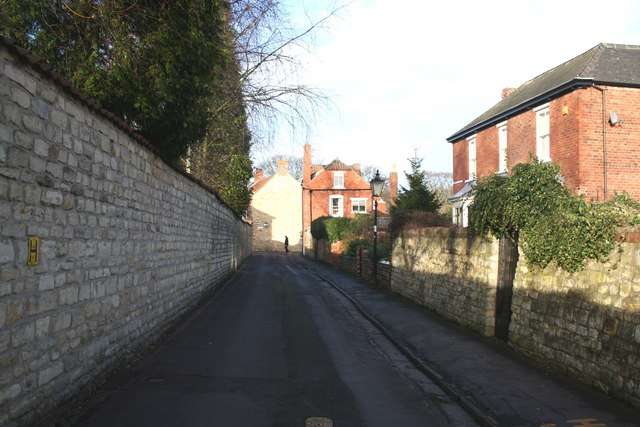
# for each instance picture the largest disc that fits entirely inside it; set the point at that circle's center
(33, 250)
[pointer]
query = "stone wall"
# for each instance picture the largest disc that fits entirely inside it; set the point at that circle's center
(126, 244)
(447, 272)
(586, 324)
(361, 265)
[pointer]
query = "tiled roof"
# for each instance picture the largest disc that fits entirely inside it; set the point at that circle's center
(257, 186)
(337, 165)
(604, 64)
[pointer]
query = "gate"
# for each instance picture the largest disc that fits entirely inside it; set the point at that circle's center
(507, 262)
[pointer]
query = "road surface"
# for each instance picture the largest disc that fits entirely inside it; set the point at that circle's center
(276, 346)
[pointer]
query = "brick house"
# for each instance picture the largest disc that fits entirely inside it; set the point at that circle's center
(583, 115)
(337, 190)
(276, 210)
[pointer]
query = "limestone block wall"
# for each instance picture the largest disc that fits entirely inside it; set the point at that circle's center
(449, 273)
(586, 324)
(126, 244)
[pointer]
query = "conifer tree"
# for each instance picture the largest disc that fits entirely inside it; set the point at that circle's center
(418, 197)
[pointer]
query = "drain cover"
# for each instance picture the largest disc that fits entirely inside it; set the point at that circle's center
(318, 422)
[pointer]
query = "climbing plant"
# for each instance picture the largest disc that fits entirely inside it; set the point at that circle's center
(330, 228)
(550, 224)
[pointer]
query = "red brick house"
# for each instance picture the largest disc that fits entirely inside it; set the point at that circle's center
(337, 190)
(583, 115)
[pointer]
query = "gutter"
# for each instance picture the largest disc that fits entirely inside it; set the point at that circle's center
(526, 105)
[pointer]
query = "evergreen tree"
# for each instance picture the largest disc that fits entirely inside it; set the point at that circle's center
(153, 63)
(418, 197)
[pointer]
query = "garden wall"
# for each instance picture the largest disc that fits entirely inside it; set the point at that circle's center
(444, 270)
(360, 265)
(586, 324)
(122, 244)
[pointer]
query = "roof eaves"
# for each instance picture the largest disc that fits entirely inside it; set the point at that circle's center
(523, 106)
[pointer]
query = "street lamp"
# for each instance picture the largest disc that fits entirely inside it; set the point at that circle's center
(376, 190)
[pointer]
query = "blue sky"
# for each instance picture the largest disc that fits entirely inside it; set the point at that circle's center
(407, 74)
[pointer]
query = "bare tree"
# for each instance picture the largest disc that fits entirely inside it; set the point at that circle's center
(265, 42)
(442, 184)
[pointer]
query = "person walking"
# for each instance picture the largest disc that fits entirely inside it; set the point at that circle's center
(286, 243)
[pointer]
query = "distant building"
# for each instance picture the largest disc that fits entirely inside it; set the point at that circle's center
(337, 190)
(583, 115)
(276, 210)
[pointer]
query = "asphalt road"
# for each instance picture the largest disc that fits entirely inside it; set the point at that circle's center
(276, 346)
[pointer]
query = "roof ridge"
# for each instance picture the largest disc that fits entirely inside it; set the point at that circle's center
(564, 64)
(597, 51)
(621, 45)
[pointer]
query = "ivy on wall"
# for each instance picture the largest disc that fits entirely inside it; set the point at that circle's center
(354, 232)
(334, 229)
(550, 224)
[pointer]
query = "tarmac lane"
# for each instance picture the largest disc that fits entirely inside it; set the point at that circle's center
(276, 346)
(490, 380)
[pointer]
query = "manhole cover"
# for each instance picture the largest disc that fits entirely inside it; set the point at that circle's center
(318, 422)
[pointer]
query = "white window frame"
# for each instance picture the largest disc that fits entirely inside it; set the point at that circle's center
(472, 148)
(338, 179)
(339, 210)
(502, 147)
(360, 202)
(460, 211)
(543, 131)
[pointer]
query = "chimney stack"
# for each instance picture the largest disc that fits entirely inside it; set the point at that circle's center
(507, 91)
(258, 175)
(283, 167)
(393, 185)
(306, 165)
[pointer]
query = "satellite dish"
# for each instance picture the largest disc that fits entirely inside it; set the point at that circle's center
(613, 118)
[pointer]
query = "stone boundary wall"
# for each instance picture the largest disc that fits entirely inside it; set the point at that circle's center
(127, 244)
(585, 324)
(445, 271)
(361, 265)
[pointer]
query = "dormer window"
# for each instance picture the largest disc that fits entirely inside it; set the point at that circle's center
(338, 179)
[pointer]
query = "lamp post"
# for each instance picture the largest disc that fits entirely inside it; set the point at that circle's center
(376, 189)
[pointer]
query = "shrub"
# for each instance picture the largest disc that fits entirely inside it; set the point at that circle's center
(354, 245)
(319, 228)
(410, 219)
(533, 209)
(337, 228)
